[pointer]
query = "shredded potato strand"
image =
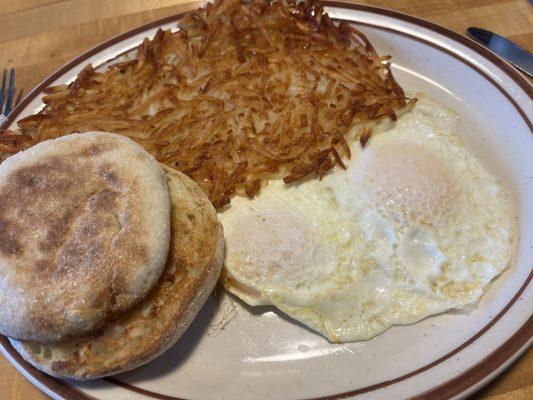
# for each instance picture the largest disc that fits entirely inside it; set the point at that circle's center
(243, 92)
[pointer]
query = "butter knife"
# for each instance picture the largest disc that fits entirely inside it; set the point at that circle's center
(516, 55)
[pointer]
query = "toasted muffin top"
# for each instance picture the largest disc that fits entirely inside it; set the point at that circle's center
(84, 234)
(141, 334)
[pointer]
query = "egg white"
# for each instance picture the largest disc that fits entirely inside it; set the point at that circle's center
(415, 226)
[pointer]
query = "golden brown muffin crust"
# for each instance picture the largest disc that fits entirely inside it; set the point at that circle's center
(141, 334)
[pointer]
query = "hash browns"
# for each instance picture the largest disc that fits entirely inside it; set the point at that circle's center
(242, 92)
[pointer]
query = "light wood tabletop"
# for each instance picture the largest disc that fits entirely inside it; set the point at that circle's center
(38, 36)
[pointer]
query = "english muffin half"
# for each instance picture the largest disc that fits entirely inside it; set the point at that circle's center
(138, 336)
(84, 234)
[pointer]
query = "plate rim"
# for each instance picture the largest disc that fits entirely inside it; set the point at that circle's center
(472, 378)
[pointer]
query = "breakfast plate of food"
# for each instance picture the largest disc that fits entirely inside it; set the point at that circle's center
(269, 199)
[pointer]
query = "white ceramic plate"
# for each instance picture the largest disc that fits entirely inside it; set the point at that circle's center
(232, 351)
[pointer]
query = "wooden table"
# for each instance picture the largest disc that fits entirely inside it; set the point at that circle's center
(37, 36)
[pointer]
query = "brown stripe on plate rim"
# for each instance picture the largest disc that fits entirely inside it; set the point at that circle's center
(472, 66)
(57, 386)
(458, 384)
(517, 76)
(474, 375)
(444, 391)
(136, 389)
(89, 53)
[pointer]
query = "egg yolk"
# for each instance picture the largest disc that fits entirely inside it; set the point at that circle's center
(270, 248)
(405, 181)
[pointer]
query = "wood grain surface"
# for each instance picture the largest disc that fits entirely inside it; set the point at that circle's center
(38, 36)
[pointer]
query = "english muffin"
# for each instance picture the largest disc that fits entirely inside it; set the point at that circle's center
(84, 234)
(141, 334)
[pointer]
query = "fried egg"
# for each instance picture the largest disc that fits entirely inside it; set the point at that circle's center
(413, 227)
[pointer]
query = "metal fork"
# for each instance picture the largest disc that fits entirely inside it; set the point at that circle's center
(5, 106)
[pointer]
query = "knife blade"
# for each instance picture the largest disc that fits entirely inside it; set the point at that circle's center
(516, 55)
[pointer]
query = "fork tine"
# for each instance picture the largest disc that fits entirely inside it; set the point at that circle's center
(2, 90)
(10, 92)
